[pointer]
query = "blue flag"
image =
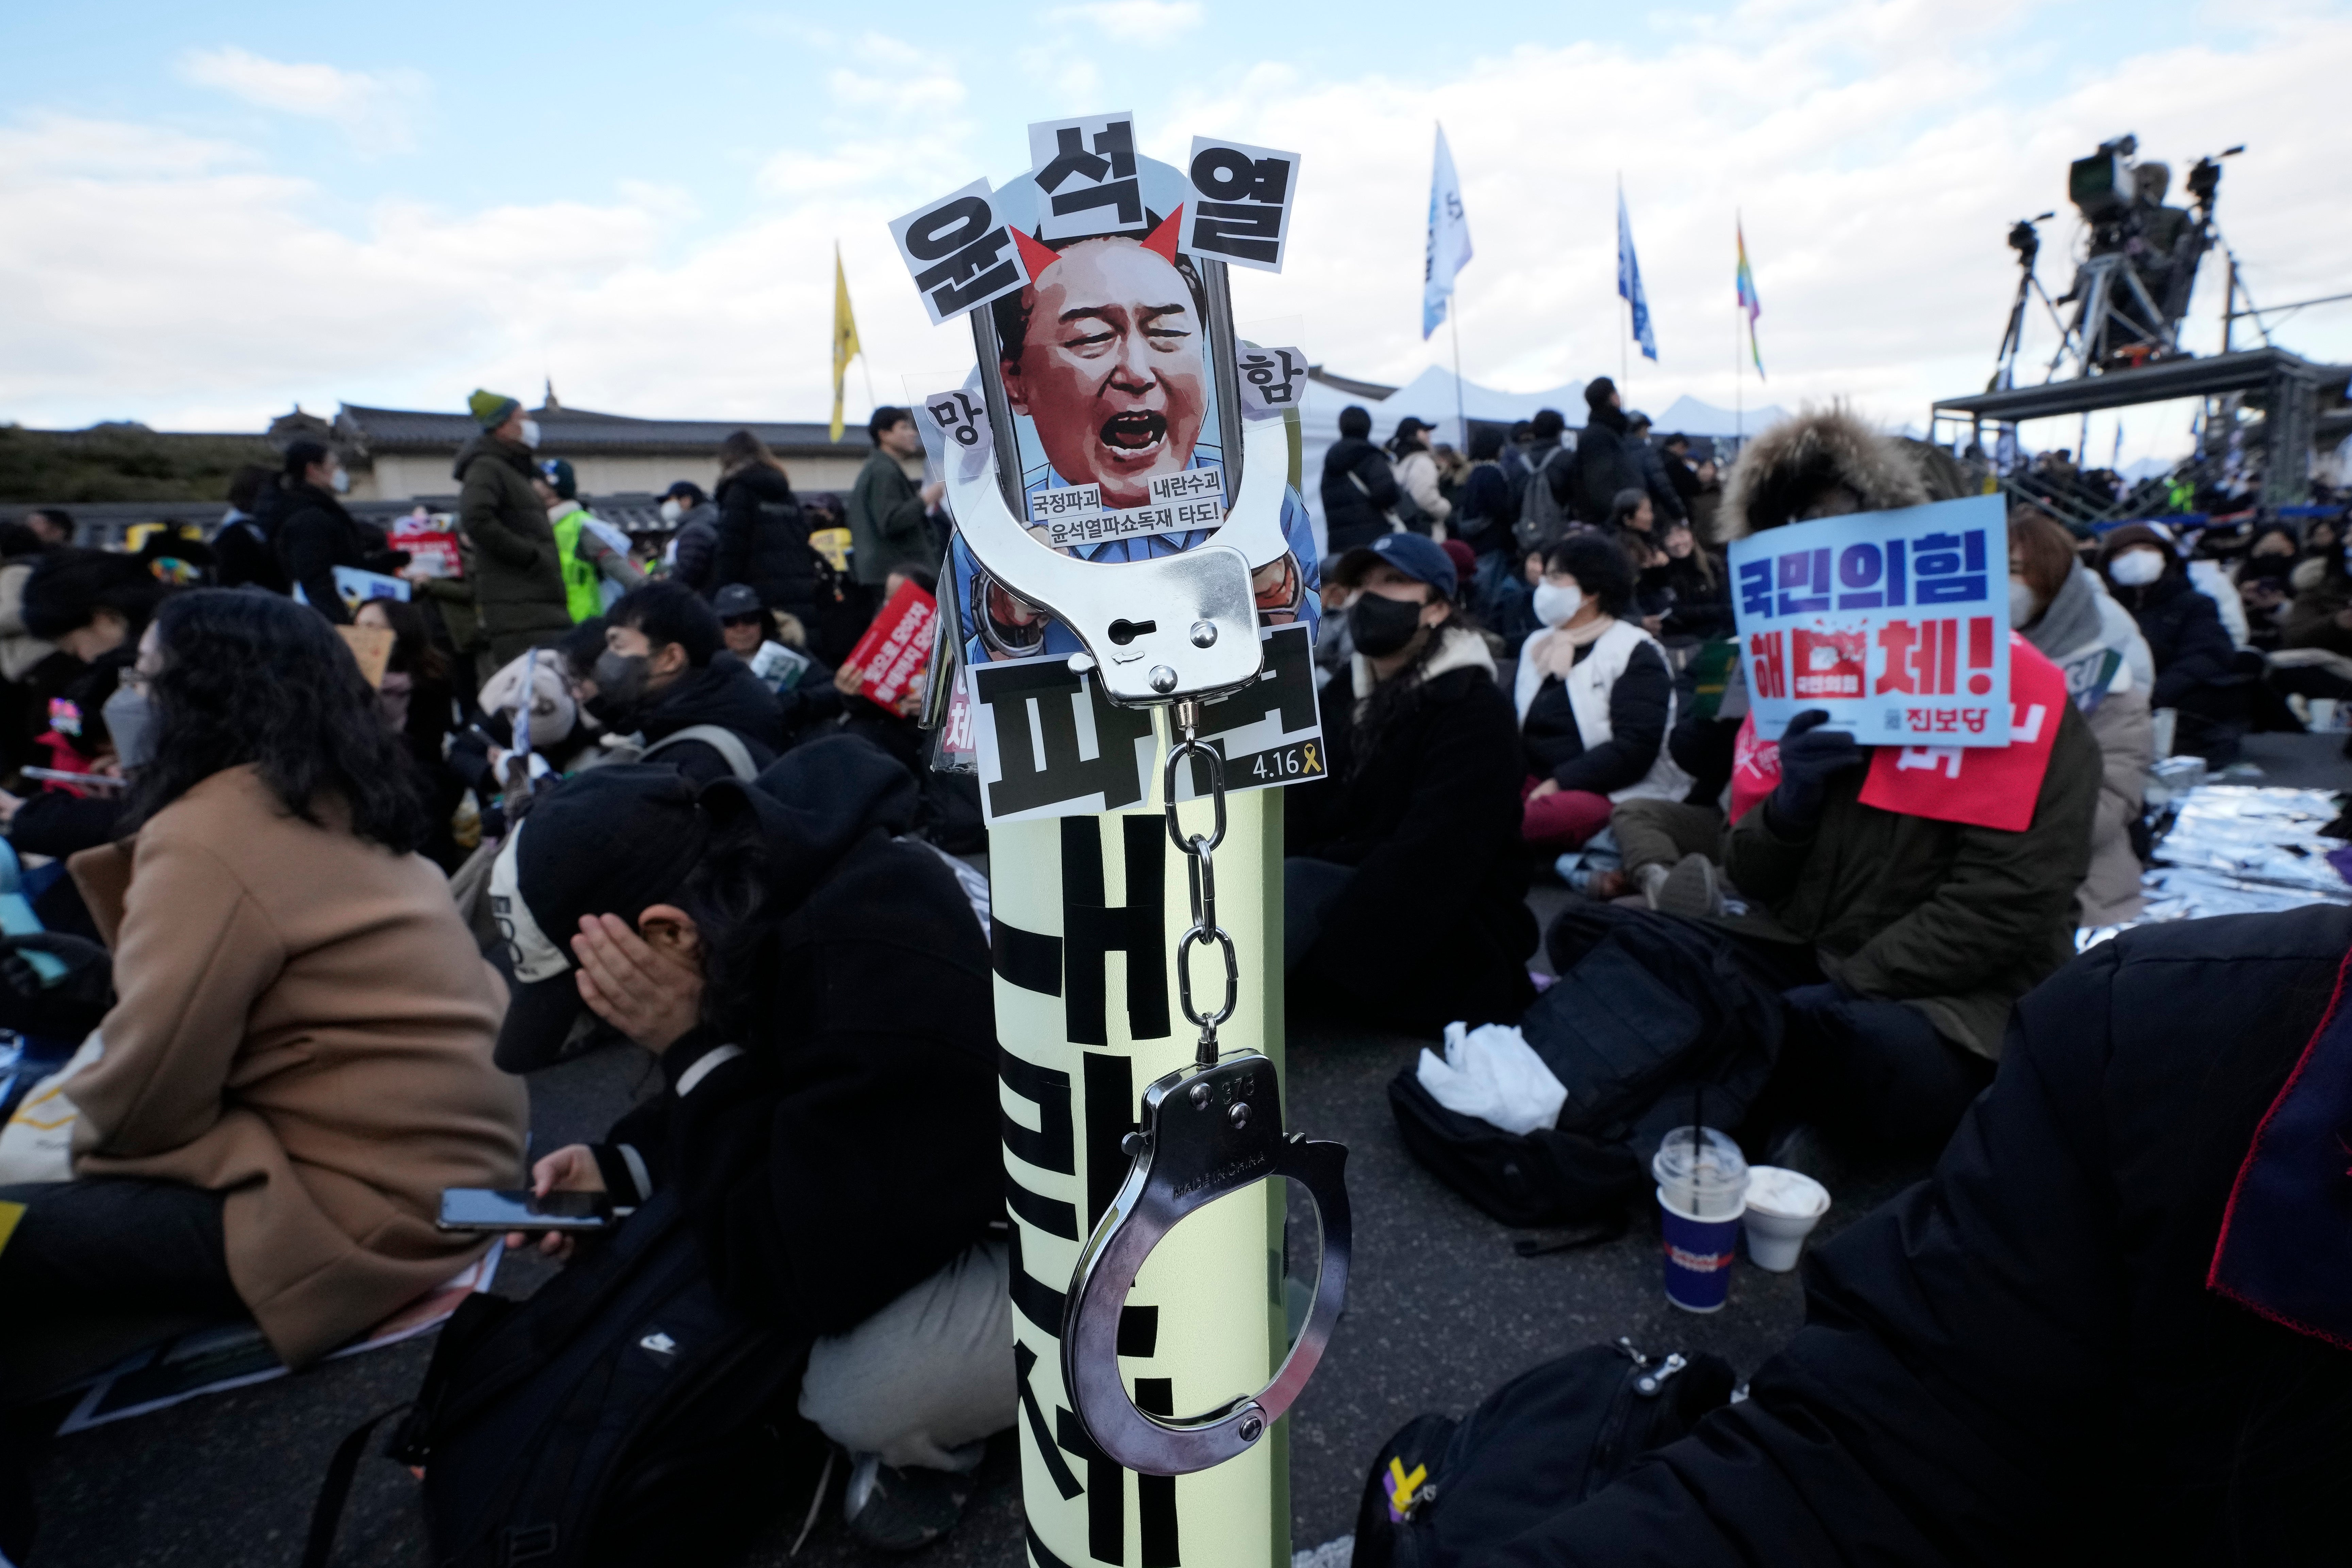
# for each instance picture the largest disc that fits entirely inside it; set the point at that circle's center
(1449, 238)
(1628, 282)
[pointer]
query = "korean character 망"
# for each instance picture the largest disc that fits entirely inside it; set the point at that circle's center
(958, 416)
(1950, 568)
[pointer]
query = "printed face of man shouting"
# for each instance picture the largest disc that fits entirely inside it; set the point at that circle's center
(1110, 369)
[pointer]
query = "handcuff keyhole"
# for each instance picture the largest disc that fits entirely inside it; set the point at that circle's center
(1124, 632)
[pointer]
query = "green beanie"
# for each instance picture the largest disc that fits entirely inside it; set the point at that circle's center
(492, 409)
(560, 479)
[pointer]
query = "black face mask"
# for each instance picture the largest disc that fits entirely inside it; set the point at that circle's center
(1381, 625)
(620, 680)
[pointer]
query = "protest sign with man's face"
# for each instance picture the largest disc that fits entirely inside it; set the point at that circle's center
(1109, 365)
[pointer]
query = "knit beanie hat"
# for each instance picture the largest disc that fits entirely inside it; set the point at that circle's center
(490, 409)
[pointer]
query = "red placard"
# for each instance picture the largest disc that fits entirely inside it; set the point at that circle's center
(1984, 787)
(897, 647)
(430, 541)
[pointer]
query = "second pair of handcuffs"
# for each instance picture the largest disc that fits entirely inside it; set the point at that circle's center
(1178, 631)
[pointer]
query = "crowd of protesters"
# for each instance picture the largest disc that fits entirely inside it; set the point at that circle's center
(664, 813)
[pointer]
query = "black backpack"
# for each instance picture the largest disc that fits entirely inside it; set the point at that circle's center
(1545, 1441)
(1646, 1008)
(622, 1415)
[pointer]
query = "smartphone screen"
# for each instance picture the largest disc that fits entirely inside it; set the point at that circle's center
(485, 1208)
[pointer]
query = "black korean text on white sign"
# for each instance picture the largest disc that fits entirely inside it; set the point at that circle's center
(960, 252)
(1238, 206)
(1050, 745)
(1086, 176)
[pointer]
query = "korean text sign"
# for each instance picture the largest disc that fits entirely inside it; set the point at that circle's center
(1897, 622)
(896, 648)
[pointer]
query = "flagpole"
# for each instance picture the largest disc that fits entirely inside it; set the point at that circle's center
(1461, 420)
(1739, 370)
(1624, 356)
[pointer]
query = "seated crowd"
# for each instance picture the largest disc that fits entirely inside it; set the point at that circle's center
(313, 929)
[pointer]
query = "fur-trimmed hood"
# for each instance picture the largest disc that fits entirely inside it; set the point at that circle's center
(1782, 471)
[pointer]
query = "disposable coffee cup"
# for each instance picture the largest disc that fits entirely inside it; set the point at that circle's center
(1702, 1193)
(1784, 1206)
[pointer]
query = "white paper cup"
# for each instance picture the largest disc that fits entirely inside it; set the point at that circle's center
(1784, 1206)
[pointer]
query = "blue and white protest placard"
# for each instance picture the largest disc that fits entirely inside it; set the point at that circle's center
(1897, 622)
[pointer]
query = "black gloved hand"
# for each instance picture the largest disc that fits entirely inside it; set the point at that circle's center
(1810, 755)
(66, 1008)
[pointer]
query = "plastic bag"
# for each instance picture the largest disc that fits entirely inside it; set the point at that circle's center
(1492, 1073)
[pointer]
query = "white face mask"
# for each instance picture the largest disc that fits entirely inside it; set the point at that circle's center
(530, 434)
(2136, 568)
(2023, 605)
(1555, 606)
(341, 482)
(672, 510)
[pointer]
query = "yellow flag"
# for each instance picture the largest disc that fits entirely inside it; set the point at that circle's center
(844, 336)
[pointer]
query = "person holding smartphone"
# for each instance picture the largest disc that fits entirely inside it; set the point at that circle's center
(816, 989)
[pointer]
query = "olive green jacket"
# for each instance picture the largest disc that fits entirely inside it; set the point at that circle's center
(518, 572)
(1958, 921)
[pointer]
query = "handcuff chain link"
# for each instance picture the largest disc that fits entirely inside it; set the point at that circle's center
(1202, 879)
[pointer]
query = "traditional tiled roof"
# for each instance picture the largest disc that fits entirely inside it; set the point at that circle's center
(563, 430)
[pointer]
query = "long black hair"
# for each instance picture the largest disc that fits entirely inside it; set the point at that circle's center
(250, 677)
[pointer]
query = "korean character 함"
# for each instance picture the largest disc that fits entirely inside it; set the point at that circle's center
(1950, 568)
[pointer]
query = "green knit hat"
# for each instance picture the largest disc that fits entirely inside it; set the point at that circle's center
(492, 409)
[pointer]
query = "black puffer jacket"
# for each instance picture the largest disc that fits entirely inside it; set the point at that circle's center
(722, 692)
(2018, 1361)
(851, 1150)
(763, 541)
(1354, 516)
(2184, 633)
(314, 536)
(1603, 464)
(1435, 927)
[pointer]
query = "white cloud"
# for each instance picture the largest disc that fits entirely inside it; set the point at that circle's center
(373, 107)
(1156, 20)
(1875, 150)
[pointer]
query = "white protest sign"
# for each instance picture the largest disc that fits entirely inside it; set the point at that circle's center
(1238, 206)
(959, 251)
(1084, 170)
(1897, 622)
(1050, 745)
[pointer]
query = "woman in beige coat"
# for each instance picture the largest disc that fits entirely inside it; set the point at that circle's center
(297, 1060)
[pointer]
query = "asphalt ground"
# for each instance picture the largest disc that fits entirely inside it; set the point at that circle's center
(1441, 1309)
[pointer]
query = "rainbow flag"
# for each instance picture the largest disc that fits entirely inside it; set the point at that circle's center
(1747, 300)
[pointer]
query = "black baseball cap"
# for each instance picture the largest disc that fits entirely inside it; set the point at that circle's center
(681, 491)
(613, 840)
(735, 599)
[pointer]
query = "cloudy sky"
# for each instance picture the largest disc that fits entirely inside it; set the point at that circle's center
(208, 214)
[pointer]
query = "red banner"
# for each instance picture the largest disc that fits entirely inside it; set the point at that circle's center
(1982, 786)
(896, 647)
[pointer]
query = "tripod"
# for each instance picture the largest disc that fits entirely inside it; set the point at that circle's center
(2103, 328)
(2027, 242)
